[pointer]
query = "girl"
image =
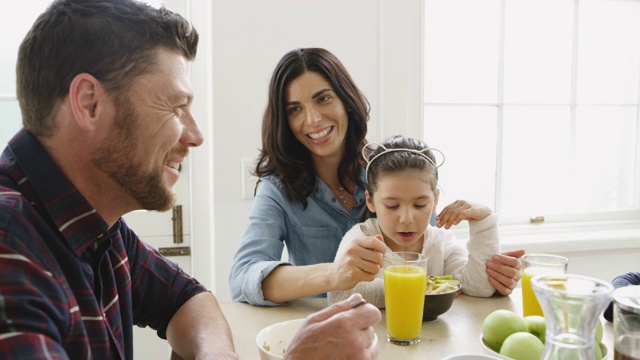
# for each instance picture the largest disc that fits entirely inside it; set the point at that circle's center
(402, 193)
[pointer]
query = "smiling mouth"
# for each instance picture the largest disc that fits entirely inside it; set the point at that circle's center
(175, 165)
(321, 134)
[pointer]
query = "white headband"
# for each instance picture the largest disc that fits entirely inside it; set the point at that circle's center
(386, 151)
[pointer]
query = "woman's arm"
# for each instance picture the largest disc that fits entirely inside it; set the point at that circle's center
(361, 261)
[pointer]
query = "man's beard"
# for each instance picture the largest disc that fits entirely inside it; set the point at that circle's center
(117, 158)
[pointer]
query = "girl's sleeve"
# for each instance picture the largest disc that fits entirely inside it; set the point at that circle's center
(372, 292)
(484, 242)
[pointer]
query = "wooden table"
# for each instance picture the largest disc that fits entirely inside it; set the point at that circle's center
(455, 332)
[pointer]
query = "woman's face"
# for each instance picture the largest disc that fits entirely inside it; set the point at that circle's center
(317, 116)
(403, 203)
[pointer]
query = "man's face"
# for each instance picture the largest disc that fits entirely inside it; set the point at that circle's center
(152, 134)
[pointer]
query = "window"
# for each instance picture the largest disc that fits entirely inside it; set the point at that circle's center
(535, 104)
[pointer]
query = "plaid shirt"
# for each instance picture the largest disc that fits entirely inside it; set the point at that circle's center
(69, 286)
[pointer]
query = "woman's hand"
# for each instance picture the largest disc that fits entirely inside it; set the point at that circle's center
(504, 271)
(360, 262)
(459, 210)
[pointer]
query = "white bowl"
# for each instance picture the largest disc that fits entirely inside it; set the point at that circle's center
(603, 347)
(274, 339)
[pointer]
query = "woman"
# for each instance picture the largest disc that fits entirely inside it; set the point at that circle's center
(311, 190)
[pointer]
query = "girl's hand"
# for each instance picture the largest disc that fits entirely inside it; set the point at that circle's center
(360, 262)
(504, 271)
(460, 210)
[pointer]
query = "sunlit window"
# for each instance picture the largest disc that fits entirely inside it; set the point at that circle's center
(535, 104)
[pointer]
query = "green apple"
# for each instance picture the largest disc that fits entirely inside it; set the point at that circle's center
(522, 346)
(536, 325)
(498, 325)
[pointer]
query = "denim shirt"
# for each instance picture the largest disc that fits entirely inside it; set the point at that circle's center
(312, 235)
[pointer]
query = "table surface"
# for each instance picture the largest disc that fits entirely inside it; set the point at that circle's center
(455, 332)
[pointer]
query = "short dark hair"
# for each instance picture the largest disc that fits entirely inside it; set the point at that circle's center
(113, 40)
(282, 154)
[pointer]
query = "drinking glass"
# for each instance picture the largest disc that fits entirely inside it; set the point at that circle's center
(538, 264)
(626, 323)
(572, 307)
(405, 276)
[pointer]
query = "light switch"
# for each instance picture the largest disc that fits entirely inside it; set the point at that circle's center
(248, 181)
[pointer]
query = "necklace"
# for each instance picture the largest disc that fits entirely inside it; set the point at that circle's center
(341, 194)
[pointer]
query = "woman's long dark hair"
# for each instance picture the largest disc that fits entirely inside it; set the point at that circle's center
(282, 155)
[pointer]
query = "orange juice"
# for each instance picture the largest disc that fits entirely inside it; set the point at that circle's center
(530, 304)
(538, 264)
(404, 300)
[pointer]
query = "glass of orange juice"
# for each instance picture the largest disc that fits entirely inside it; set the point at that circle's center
(538, 264)
(405, 276)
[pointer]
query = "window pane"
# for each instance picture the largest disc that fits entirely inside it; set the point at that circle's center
(467, 137)
(605, 158)
(16, 18)
(461, 50)
(538, 44)
(11, 121)
(609, 52)
(535, 162)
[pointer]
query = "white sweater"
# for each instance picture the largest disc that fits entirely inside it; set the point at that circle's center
(446, 257)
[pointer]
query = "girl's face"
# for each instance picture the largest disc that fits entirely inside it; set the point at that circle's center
(316, 116)
(403, 203)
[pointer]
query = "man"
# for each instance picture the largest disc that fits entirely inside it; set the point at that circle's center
(105, 99)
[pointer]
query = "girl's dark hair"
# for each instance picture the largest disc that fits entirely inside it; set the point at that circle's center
(113, 40)
(395, 161)
(282, 155)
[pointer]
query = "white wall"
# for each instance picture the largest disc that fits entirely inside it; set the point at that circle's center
(249, 37)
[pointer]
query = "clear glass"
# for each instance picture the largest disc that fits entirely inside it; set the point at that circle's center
(572, 305)
(459, 131)
(626, 323)
(537, 59)
(461, 50)
(405, 276)
(534, 265)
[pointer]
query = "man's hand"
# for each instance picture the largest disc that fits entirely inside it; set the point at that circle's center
(338, 332)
